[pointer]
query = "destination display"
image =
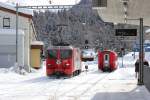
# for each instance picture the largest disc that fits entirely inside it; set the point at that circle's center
(126, 32)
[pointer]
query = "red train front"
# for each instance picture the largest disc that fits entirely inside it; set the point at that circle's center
(107, 60)
(63, 60)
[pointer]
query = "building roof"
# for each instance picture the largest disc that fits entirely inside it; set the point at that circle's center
(116, 11)
(37, 43)
(11, 9)
(147, 31)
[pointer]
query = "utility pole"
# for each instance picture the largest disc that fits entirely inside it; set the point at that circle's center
(122, 54)
(141, 52)
(17, 34)
(141, 55)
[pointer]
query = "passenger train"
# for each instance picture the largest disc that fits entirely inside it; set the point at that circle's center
(107, 60)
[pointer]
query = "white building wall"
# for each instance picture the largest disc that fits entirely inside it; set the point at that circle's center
(24, 24)
(8, 47)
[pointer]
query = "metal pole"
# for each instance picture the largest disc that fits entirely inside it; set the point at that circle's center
(134, 54)
(17, 33)
(122, 58)
(141, 55)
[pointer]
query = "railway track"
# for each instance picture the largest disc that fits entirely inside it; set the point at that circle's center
(73, 90)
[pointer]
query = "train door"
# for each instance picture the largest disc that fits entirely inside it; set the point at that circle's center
(106, 60)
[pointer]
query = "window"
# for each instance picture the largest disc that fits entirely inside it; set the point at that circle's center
(99, 3)
(52, 54)
(6, 22)
(64, 54)
(106, 57)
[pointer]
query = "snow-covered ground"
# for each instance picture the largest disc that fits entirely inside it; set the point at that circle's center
(91, 85)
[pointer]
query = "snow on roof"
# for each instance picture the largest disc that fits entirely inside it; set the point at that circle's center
(37, 43)
(12, 7)
(60, 47)
(147, 41)
(147, 31)
(10, 32)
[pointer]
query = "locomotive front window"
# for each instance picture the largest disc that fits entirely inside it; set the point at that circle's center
(52, 54)
(106, 57)
(64, 54)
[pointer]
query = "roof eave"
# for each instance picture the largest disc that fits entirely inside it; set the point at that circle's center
(14, 12)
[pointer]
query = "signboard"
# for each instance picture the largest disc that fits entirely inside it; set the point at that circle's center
(99, 3)
(126, 32)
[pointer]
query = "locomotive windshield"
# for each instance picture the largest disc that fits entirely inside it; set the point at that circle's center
(52, 54)
(64, 54)
(106, 57)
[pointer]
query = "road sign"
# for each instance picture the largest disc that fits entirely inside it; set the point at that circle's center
(126, 32)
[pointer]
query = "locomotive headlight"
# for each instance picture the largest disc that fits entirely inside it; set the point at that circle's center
(67, 64)
(49, 65)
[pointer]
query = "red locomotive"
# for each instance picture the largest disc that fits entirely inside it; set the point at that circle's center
(107, 60)
(63, 60)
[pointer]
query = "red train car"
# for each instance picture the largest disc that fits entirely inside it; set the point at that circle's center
(63, 60)
(107, 60)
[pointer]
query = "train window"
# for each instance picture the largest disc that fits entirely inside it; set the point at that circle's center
(64, 54)
(106, 57)
(52, 53)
